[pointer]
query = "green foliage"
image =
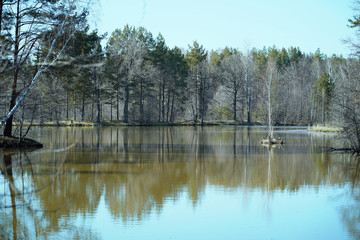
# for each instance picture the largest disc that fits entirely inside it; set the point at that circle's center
(215, 59)
(159, 54)
(227, 52)
(295, 54)
(261, 59)
(318, 56)
(323, 92)
(179, 70)
(325, 85)
(195, 55)
(355, 22)
(283, 59)
(223, 112)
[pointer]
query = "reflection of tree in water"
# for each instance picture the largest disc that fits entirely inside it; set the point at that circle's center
(7, 172)
(351, 212)
(351, 215)
(20, 175)
(137, 170)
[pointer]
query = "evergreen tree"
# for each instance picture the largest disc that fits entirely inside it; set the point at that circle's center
(127, 52)
(194, 58)
(178, 72)
(323, 92)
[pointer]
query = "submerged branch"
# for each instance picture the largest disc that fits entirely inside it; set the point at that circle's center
(343, 150)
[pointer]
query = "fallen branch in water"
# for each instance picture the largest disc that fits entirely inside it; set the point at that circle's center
(346, 150)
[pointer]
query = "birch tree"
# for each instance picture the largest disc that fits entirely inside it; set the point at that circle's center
(32, 19)
(269, 79)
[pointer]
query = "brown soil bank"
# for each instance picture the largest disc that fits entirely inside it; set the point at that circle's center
(13, 142)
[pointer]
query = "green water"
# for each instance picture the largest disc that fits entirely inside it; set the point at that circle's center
(178, 183)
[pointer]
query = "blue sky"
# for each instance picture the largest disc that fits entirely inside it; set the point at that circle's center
(242, 24)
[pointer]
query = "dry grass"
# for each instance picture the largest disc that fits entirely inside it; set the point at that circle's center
(326, 128)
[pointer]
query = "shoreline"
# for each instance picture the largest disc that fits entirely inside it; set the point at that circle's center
(120, 124)
(70, 123)
(149, 124)
(325, 129)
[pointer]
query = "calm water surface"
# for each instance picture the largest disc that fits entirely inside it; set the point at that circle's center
(179, 183)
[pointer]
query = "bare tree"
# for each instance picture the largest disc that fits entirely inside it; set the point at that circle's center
(346, 107)
(201, 90)
(269, 78)
(32, 20)
(234, 80)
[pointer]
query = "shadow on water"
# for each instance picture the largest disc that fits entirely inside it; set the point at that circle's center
(135, 171)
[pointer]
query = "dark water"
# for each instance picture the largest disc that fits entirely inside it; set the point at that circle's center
(179, 183)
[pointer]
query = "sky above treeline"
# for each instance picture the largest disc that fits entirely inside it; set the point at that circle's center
(242, 24)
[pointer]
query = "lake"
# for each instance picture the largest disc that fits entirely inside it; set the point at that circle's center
(179, 183)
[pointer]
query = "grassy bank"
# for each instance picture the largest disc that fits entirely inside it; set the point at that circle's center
(326, 128)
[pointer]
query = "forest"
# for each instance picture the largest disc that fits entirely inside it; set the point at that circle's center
(54, 69)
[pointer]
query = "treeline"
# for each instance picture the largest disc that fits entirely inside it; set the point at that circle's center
(137, 78)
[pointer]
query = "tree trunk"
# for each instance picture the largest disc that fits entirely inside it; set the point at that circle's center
(234, 104)
(98, 100)
(159, 113)
(163, 100)
(323, 107)
(269, 79)
(126, 103)
(141, 103)
(9, 121)
(111, 108)
(172, 116)
(117, 105)
(168, 107)
(92, 107)
(74, 106)
(248, 99)
(83, 108)
(41, 110)
(196, 98)
(1, 15)
(269, 111)
(98, 109)
(249, 110)
(67, 105)
(202, 101)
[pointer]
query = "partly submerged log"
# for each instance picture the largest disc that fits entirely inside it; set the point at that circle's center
(343, 150)
(14, 142)
(272, 141)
